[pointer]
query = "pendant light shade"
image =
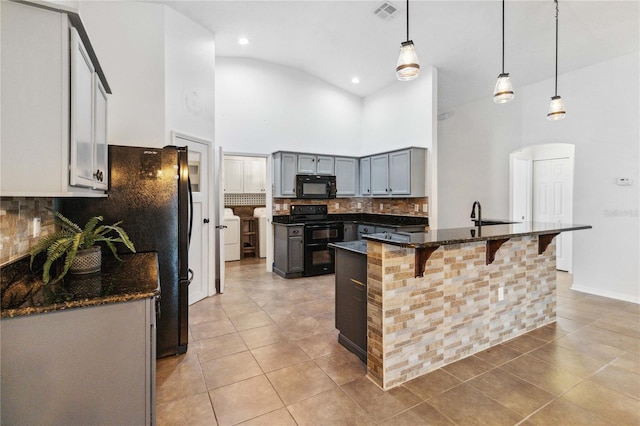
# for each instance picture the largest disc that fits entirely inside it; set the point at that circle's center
(408, 66)
(503, 92)
(557, 110)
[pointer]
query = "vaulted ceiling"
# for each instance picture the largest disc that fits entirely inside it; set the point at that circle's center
(337, 40)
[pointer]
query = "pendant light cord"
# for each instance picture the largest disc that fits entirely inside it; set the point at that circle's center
(556, 1)
(407, 20)
(502, 36)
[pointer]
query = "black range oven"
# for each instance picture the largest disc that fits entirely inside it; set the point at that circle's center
(319, 231)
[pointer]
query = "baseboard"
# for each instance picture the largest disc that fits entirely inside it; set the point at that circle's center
(605, 293)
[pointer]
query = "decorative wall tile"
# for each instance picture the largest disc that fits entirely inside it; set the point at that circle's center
(391, 206)
(416, 325)
(16, 225)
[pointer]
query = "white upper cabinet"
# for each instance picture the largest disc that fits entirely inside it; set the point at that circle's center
(233, 175)
(309, 164)
(255, 175)
(82, 108)
(101, 149)
(244, 175)
(346, 176)
(53, 112)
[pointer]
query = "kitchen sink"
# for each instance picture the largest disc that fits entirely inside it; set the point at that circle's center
(488, 222)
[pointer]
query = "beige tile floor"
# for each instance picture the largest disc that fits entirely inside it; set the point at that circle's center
(265, 353)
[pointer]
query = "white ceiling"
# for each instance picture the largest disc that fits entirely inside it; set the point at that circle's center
(336, 40)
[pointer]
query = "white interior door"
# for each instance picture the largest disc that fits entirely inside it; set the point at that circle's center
(199, 247)
(521, 191)
(552, 197)
(220, 227)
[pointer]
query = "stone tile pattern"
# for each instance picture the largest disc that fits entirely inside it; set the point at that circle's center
(417, 325)
(392, 206)
(16, 225)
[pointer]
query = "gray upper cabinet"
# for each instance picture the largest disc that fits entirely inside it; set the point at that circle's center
(397, 173)
(365, 176)
(346, 176)
(285, 166)
(380, 175)
(315, 164)
(400, 173)
(54, 105)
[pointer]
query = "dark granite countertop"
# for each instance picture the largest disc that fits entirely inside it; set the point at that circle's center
(23, 292)
(396, 221)
(359, 246)
(438, 237)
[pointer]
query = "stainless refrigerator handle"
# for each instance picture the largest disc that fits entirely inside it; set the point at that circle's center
(190, 210)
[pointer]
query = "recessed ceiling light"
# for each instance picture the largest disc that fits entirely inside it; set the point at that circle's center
(243, 41)
(355, 80)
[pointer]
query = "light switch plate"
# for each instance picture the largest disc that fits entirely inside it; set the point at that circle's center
(624, 181)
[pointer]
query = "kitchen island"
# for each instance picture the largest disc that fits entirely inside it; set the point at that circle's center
(439, 296)
(82, 350)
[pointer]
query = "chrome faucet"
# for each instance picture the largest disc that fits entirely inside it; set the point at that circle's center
(473, 213)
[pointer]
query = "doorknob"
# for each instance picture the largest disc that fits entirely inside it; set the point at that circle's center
(206, 220)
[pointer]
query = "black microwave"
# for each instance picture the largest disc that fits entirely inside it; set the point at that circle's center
(315, 186)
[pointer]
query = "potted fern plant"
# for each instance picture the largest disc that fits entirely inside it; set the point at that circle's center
(78, 246)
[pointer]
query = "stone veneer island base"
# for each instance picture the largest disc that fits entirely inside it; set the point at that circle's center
(436, 297)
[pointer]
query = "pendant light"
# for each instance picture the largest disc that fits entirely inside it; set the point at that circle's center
(503, 92)
(557, 110)
(408, 67)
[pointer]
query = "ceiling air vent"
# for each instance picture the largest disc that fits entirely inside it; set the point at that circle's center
(386, 11)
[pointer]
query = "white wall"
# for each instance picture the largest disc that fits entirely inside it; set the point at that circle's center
(262, 107)
(474, 144)
(128, 39)
(602, 122)
(160, 66)
(400, 115)
(189, 77)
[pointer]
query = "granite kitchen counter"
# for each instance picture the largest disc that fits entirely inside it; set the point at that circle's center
(359, 246)
(438, 237)
(23, 292)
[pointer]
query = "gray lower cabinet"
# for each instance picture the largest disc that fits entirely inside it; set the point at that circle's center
(365, 229)
(92, 365)
(351, 301)
(350, 231)
(288, 250)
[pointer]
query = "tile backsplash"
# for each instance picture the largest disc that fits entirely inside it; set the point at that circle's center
(16, 225)
(393, 206)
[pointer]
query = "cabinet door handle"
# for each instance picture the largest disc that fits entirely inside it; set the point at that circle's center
(356, 281)
(206, 220)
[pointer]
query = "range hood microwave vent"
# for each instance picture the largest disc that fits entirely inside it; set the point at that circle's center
(386, 11)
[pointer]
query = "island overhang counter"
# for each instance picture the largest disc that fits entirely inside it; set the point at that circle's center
(436, 297)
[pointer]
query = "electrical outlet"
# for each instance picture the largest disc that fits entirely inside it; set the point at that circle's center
(285, 206)
(36, 227)
(336, 206)
(425, 208)
(277, 206)
(416, 207)
(500, 294)
(381, 206)
(359, 205)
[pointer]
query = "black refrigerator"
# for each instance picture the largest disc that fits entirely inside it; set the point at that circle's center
(149, 192)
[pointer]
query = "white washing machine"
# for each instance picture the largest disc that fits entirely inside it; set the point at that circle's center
(231, 236)
(261, 214)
